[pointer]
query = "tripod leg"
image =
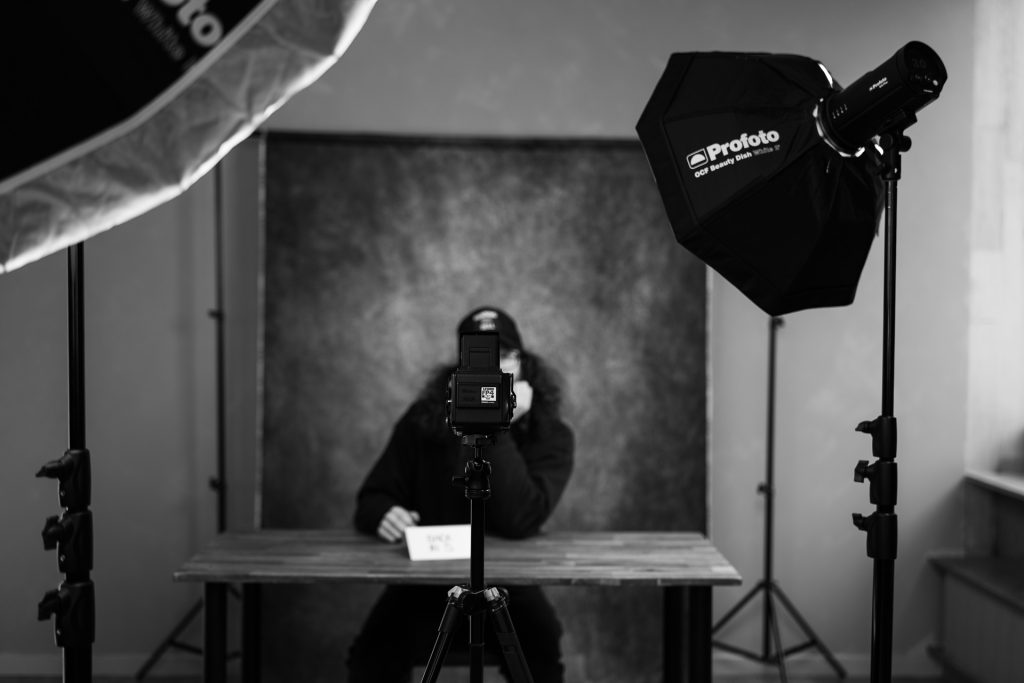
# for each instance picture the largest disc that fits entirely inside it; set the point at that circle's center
(738, 606)
(169, 641)
(518, 670)
(443, 640)
(773, 623)
(840, 671)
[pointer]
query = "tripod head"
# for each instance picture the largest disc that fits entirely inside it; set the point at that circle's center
(478, 441)
(476, 476)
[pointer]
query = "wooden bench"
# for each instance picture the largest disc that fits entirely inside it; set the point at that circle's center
(684, 564)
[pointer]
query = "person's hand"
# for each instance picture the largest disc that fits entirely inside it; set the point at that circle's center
(524, 398)
(393, 523)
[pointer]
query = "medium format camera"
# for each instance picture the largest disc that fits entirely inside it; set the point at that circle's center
(480, 395)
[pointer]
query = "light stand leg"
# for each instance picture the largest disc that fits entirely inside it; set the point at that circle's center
(814, 641)
(171, 641)
(772, 651)
(751, 594)
(773, 626)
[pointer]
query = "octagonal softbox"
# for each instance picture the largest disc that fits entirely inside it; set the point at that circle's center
(109, 108)
(749, 185)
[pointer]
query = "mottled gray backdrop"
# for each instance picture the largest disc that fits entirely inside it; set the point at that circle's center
(375, 248)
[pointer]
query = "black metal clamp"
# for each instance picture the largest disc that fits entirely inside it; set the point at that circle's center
(881, 526)
(74, 606)
(71, 534)
(74, 471)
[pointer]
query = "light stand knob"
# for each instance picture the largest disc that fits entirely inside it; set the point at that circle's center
(73, 605)
(75, 474)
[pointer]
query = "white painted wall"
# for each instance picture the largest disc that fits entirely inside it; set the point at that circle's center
(571, 68)
(149, 426)
(995, 437)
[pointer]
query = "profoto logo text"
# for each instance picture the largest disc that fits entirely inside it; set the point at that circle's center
(204, 26)
(717, 155)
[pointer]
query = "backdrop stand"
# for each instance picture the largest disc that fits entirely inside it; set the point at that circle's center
(771, 642)
(218, 483)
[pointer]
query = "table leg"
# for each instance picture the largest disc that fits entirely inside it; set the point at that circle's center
(686, 634)
(673, 647)
(251, 632)
(215, 625)
(699, 616)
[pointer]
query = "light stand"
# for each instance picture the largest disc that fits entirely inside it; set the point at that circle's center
(767, 586)
(73, 603)
(715, 215)
(478, 601)
(881, 526)
(218, 483)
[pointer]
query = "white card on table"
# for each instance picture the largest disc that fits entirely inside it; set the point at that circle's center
(439, 542)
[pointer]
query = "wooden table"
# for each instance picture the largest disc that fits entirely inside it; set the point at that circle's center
(684, 564)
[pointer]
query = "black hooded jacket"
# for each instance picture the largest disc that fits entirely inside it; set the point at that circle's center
(531, 464)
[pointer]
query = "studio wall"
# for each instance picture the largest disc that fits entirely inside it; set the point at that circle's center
(571, 68)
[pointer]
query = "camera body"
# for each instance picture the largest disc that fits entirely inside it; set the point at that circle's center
(480, 395)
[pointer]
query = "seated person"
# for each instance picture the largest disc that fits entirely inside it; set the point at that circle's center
(411, 483)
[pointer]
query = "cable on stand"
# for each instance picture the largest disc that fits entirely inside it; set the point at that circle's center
(771, 641)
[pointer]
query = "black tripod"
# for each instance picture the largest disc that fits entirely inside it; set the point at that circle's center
(478, 600)
(767, 585)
